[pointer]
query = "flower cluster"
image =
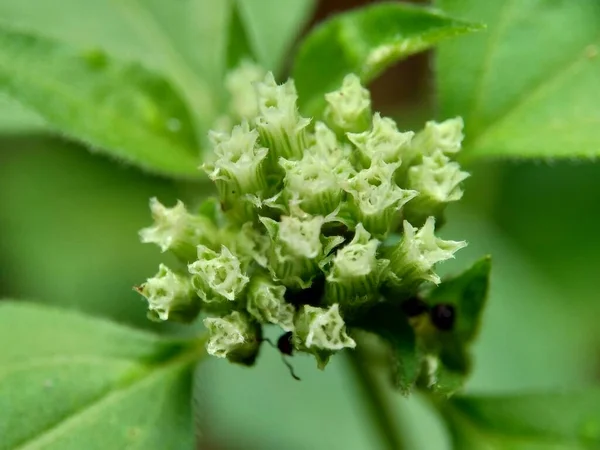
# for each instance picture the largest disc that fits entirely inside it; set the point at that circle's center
(315, 222)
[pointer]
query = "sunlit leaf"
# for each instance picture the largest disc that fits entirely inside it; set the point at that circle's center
(529, 86)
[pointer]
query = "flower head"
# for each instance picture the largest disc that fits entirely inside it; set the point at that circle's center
(316, 224)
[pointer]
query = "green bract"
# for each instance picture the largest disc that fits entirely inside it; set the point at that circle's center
(308, 215)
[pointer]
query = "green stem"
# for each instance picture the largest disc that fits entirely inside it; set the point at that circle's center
(376, 398)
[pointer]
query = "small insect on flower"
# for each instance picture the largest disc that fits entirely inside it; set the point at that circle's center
(443, 316)
(284, 344)
(285, 347)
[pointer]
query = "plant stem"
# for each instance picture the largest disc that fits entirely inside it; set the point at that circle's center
(381, 411)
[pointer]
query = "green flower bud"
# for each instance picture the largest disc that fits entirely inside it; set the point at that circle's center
(445, 136)
(383, 141)
(437, 179)
(413, 258)
(324, 141)
(349, 108)
(235, 337)
(312, 184)
(330, 153)
(266, 303)
(321, 332)
(217, 277)
(279, 124)
(177, 230)
(249, 244)
(376, 199)
(238, 169)
(170, 296)
(355, 272)
(296, 249)
(243, 104)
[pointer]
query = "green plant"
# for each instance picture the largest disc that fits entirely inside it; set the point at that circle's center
(305, 230)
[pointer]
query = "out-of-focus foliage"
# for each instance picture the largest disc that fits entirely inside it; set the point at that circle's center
(525, 422)
(365, 42)
(529, 87)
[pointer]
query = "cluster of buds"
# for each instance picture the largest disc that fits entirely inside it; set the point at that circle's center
(315, 221)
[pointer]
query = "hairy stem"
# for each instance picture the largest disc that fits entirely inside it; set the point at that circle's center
(380, 409)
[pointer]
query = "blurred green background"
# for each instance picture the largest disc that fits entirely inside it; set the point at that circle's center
(68, 237)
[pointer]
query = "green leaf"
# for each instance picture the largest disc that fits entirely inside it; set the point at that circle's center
(529, 87)
(365, 42)
(415, 340)
(68, 381)
(272, 26)
(565, 421)
(238, 45)
(185, 40)
(191, 39)
(389, 321)
(16, 119)
(467, 294)
(122, 109)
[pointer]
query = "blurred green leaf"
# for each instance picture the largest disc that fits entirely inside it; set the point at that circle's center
(238, 45)
(122, 109)
(272, 26)
(527, 87)
(366, 41)
(185, 40)
(68, 225)
(191, 37)
(82, 382)
(533, 337)
(566, 421)
(14, 118)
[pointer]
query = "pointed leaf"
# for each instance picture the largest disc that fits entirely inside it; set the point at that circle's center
(566, 421)
(467, 295)
(366, 41)
(68, 381)
(546, 108)
(121, 109)
(389, 321)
